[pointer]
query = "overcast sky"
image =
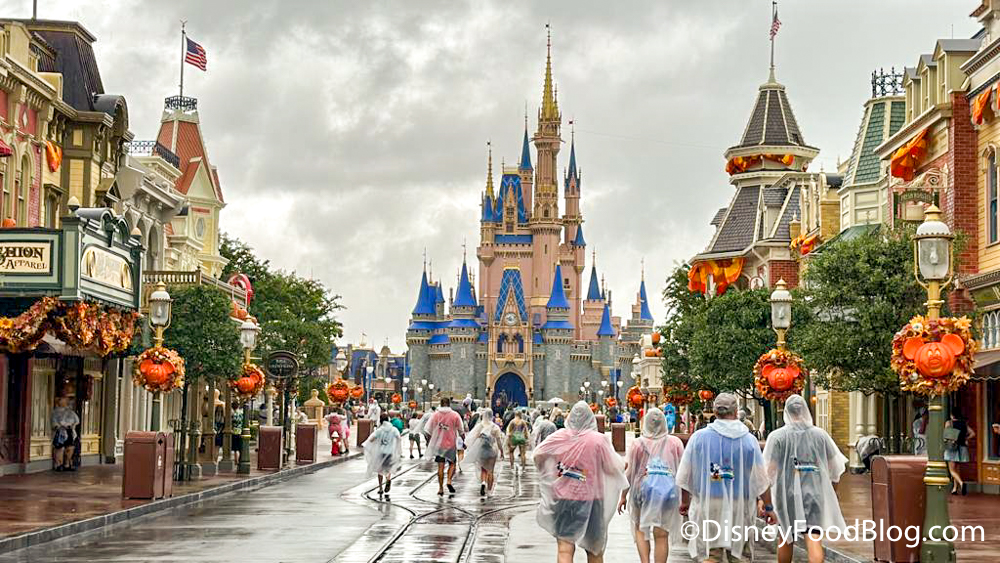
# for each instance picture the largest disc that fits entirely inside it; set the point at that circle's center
(349, 136)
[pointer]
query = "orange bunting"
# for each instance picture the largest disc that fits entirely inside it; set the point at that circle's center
(724, 273)
(740, 164)
(980, 104)
(905, 159)
(53, 155)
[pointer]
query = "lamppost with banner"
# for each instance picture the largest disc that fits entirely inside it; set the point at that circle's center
(160, 309)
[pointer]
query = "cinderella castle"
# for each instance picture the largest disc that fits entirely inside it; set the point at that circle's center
(532, 331)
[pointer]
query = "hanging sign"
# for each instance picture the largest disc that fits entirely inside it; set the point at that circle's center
(25, 257)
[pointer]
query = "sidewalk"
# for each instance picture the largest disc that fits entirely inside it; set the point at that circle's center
(40, 507)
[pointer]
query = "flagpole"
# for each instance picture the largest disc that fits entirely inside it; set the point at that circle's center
(774, 10)
(183, 49)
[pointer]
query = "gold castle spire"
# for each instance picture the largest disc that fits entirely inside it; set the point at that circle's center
(489, 170)
(550, 107)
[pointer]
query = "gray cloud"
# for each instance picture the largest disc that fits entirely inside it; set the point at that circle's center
(351, 135)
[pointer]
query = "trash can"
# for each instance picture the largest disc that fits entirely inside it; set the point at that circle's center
(898, 499)
(305, 443)
(144, 465)
(168, 466)
(618, 436)
(600, 422)
(269, 448)
(364, 430)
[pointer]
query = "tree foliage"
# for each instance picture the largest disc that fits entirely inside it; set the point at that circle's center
(202, 332)
(862, 290)
(678, 330)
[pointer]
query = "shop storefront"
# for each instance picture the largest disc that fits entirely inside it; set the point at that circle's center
(68, 302)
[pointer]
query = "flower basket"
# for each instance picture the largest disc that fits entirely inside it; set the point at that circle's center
(249, 384)
(779, 374)
(934, 357)
(678, 395)
(635, 398)
(159, 369)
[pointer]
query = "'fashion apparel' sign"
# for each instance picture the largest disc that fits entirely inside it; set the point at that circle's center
(25, 257)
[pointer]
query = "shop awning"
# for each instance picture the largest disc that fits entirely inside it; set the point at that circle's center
(987, 365)
(5, 149)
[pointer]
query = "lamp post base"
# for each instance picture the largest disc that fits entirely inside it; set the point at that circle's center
(244, 465)
(934, 549)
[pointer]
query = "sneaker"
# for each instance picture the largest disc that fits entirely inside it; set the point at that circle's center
(440, 493)
(482, 489)
(411, 456)
(451, 489)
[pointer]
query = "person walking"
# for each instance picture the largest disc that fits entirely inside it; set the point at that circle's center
(957, 435)
(382, 453)
(920, 430)
(558, 418)
(64, 422)
(374, 410)
(803, 464)
(653, 497)
(485, 443)
(517, 439)
(445, 428)
(397, 421)
(542, 430)
(580, 479)
(414, 434)
(722, 474)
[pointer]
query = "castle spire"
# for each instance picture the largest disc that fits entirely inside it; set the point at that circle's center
(550, 108)
(489, 170)
(525, 163)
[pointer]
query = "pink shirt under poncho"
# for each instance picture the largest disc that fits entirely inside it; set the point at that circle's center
(445, 426)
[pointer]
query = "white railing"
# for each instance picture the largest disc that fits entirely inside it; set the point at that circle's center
(991, 330)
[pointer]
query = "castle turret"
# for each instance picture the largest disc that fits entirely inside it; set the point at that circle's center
(571, 193)
(463, 333)
(557, 333)
(524, 166)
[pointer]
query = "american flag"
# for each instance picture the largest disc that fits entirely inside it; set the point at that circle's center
(775, 24)
(195, 55)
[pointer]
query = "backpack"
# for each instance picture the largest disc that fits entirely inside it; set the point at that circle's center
(658, 488)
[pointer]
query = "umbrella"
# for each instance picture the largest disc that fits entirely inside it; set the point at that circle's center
(556, 400)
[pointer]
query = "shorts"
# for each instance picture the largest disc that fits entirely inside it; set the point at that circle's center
(447, 456)
(61, 439)
(415, 438)
(386, 466)
(579, 521)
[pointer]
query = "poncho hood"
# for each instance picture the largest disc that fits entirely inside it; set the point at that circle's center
(729, 428)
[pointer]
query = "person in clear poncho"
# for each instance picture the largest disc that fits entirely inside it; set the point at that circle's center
(541, 429)
(580, 478)
(484, 444)
(445, 427)
(383, 451)
(653, 497)
(722, 474)
(803, 463)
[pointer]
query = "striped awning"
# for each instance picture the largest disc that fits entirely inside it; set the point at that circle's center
(5, 149)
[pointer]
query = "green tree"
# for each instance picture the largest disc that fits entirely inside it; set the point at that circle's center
(202, 332)
(862, 291)
(678, 330)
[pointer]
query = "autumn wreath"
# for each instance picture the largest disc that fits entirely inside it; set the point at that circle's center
(779, 374)
(250, 382)
(934, 356)
(357, 392)
(679, 394)
(611, 402)
(338, 391)
(396, 398)
(635, 397)
(158, 369)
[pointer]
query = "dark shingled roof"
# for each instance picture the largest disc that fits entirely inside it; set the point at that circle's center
(737, 232)
(774, 197)
(719, 216)
(74, 60)
(791, 211)
(865, 166)
(772, 121)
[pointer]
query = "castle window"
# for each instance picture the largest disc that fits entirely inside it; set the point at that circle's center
(501, 341)
(991, 197)
(546, 213)
(520, 343)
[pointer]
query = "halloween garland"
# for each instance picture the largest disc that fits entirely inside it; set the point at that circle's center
(635, 398)
(158, 369)
(250, 382)
(679, 394)
(934, 357)
(338, 391)
(81, 325)
(779, 374)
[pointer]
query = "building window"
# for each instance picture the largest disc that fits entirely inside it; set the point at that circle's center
(22, 193)
(993, 419)
(51, 211)
(991, 196)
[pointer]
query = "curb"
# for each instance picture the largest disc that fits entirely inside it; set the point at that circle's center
(40, 537)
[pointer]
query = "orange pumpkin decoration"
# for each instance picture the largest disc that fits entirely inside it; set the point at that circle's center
(396, 399)
(246, 385)
(706, 395)
(650, 352)
(934, 359)
(656, 338)
(780, 378)
(8, 223)
(357, 392)
(593, 407)
(412, 404)
(156, 373)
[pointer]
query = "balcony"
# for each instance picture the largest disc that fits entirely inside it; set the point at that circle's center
(991, 330)
(182, 279)
(181, 103)
(153, 148)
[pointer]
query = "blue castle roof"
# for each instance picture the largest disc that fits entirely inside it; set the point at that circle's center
(606, 328)
(644, 313)
(510, 285)
(488, 215)
(557, 300)
(464, 297)
(525, 151)
(594, 293)
(425, 299)
(578, 241)
(440, 293)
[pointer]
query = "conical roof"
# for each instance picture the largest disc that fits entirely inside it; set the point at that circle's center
(425, 300)
(772, 121)
(463, 297)
(557, 300)
(594, 293)
(606, 328)
(644, 312)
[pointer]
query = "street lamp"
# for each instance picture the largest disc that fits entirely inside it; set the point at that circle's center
(430, 394)
(932, 257)
(781, 311)
(160, 308)
(248, 338)
(340, 362)
(368, 381)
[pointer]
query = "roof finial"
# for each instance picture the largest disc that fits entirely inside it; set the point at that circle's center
(489, 169)
(550, 110)
(593, 254)
(430, 270)
(464, 250)
(425, 259)
(642, 269)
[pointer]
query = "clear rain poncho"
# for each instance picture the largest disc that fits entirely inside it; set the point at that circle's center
(444, 428)
(383, 450)
(803, 462)
(580, 478)
(542, 429)
(724, 472)
(654, 497)
(484, 442)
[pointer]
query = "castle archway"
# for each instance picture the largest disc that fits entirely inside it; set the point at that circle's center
(509, 387)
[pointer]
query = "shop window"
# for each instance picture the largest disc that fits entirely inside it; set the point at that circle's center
(991, 197)
(993, 419)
